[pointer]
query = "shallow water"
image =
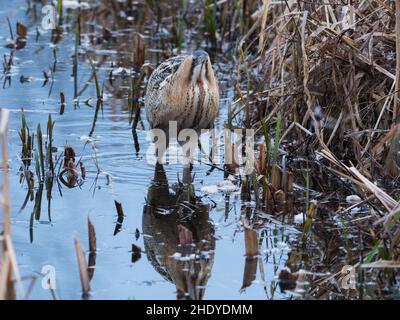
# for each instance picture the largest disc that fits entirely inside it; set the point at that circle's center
(115, 275)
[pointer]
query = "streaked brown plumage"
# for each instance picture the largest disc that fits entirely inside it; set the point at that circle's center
(183, 89)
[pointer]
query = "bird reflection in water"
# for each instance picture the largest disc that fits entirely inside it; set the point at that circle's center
(178, 235)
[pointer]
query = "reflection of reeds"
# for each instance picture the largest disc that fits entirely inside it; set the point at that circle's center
(99, 93)
(96, 80)
(75, 65)
(251, 240)
(96, 113)
(92, 249)
(120, 218)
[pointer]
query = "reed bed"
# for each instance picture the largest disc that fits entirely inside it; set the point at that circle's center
(329, 70)
(319, 79)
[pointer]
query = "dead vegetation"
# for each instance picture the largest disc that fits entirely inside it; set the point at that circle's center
(9, 275)
(328, 70)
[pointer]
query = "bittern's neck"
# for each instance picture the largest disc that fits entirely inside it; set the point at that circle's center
(199, 73)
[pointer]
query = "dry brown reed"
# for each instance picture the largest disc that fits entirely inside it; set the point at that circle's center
(326, 67)
(9, 271)
(330, 72)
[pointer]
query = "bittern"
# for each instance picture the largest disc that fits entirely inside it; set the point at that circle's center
(183, 89)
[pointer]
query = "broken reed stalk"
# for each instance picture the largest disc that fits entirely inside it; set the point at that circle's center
(92, 249)
(139, 52)
(276, 175)
(9, 266)
(6, 290)
(4, 115)
(92, 236)
(83, 273)
(14, 267)
(5, 279)
(250, 240)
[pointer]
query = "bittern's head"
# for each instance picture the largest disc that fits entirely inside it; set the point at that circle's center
(201, 66)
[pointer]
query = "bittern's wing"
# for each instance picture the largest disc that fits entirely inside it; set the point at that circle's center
(163, 73)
